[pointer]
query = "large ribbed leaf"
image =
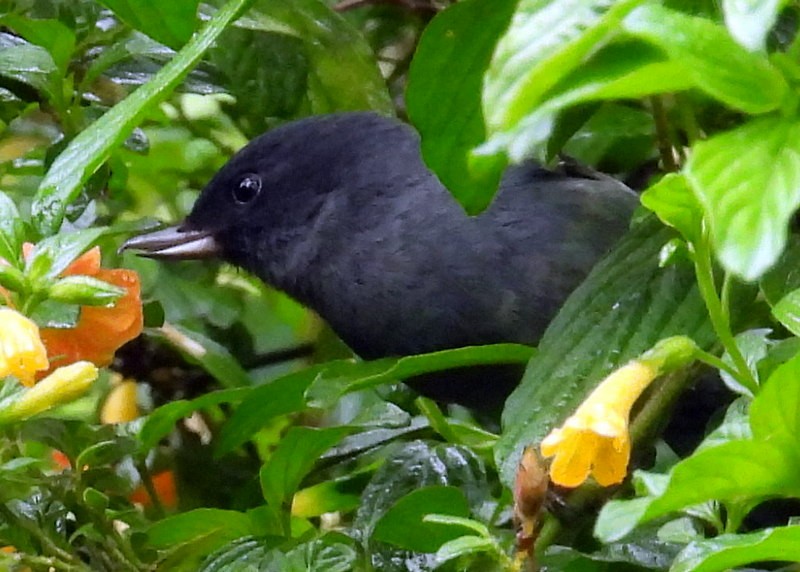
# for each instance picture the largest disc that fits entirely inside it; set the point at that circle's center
(625, 305)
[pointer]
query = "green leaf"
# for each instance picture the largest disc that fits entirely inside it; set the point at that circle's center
(416, 465)
(171, 23)
(749, 22)
(775, 412)
(443, 93)
(339, 495)
(787, 311)
(735, 426)
(753, 345)
(544, 43)
(210, 355)
(51, 256)
(403, 525)
(343, 72)
(333, 552)
(87, 152)
(730, 551)
(223, 525)
(613, 136)
(247, 549)
(52, 35)
(464, 546)
(784, 276)
(106, 452)
(719, 66)
(617, 71)
(748, 206)
(623, 308)
(30, 65)
(52, 314)
(262, 404)
(161, 422)
(676, 205)
(340, 378)
(12, 231)
(754, 470)
(295, 456)
(267, 72)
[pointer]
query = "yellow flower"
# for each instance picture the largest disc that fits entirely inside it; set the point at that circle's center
(62, 386)
(22, 352)
(595, 439)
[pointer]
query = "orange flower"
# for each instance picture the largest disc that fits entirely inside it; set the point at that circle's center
(100, 331)
(164, 486)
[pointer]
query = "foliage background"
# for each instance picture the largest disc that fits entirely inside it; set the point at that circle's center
(287, 454)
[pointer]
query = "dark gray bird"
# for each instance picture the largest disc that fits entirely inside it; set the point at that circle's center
(340, 212)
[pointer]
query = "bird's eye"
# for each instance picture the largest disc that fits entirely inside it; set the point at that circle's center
(247, 189)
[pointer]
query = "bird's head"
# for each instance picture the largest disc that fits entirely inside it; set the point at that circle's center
(261, 209)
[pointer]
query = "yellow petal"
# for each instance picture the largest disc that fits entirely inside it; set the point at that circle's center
(611, 464)
(573, 462)
(22, 352)
(120, 405)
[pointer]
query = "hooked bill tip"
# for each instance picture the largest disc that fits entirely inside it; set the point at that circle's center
(173, 243)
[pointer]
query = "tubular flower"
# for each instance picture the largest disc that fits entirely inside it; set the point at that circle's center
(100, 331)
(595, 439)
(62, 386)
(21, 351)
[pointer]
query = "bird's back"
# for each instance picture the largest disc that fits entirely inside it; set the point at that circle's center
(406, 271)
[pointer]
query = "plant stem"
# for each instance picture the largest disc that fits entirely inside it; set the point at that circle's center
(147, 482)
(688, 120)
(665, 147)
(716, 362)
(46, 563)
(719, 314)
(35, 531)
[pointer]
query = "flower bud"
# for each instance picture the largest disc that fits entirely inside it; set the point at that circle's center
(64, 385)
(84, 291)
(12, 278)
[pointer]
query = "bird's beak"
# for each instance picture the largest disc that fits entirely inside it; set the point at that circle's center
(174, 243)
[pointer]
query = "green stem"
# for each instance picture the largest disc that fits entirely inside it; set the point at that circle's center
(688, 120)
(662, 396)
(719, 315)
(725, 296)
(147, 482)
(45, 563)
(665, 147)
(715, 362)
(47, 543)
(548, 533)
(438, 421)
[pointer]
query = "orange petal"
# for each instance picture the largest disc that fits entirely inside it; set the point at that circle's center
(164, 485)
(99, 331)
(87, 263)
(60, 459)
